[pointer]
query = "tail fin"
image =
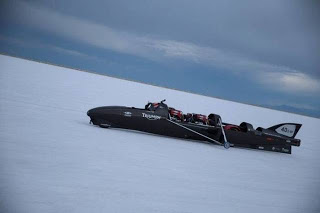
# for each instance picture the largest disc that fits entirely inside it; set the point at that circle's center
(287, 129)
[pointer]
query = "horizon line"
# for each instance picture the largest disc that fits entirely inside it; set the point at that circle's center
(145, 83)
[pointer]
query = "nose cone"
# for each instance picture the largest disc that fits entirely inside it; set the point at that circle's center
(105, 115)
(102, 110)
(106, 111)
(90, 112)
(95, 111)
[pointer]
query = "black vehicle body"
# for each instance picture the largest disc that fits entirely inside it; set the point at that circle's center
(279, 138)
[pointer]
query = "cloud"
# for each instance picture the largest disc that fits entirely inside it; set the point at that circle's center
(277, 77)
(298, 82)
(291, 82)
(37, 44)
(73, 52)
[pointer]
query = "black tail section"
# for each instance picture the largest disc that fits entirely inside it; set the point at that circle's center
(287, 129)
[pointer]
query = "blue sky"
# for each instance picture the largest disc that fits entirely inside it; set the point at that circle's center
(262, 53)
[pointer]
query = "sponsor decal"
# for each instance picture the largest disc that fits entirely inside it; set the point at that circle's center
(261, 147)
(285, 150)
(151, 117)
(286, 129)
(127, 114)
(288, 141)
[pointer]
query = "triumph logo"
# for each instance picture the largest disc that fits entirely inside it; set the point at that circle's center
(151, 117)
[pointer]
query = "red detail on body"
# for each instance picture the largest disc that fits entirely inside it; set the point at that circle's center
(175, 113)
(202, 118)
(231, 127)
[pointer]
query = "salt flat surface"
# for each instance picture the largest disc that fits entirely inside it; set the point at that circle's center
(52, 160)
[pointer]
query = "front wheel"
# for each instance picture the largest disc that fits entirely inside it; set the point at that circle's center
(104, 125)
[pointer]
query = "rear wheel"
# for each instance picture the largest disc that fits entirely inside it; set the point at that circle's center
(226, 145)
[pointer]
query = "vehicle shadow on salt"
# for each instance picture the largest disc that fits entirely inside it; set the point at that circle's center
(127, 131)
